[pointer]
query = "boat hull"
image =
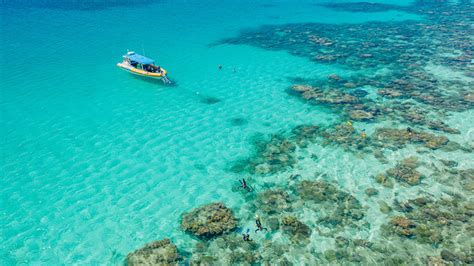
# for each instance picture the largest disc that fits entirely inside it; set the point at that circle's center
(142, 73)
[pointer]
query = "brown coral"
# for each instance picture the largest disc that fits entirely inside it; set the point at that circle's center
(209, 220)
(161, 252)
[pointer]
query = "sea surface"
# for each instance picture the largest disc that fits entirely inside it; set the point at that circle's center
(96, 162)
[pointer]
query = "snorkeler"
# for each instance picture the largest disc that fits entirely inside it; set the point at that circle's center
(258, 222)
(246, 236)
(243, 184)
(409, 130)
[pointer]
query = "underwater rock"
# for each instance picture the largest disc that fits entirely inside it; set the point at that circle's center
(371, 191)
(317, 191)
(305, 134)
(469, 97)
(350, 85)
(425, 234)
(383, 180)
(161, 252)
(273, 223)
(449, 163)
(398, 138)
(378, 154)
(209, 220)
(334, 77)
(341, 242)
(274, 201)
(335, 97)
(345, 208)
(359, 93)
(346, 135)
(330, 255)
(203, 260)
(384, 207)
(298, 230)
(271, 156)
(402, 222)
(275, 155)
(402, 226)
(435, 261)
(360, 115)
(448, 256)
(435, 222)
(405, 171)
(441, 126)
(228, 249)
(301, 88)
(329, 96)
(389, 93)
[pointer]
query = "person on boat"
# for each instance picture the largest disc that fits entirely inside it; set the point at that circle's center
(246, 236)
(258, 222)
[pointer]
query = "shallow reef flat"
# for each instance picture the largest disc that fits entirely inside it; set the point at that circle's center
(392, 182)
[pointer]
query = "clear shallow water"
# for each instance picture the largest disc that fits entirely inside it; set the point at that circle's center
(96, 162)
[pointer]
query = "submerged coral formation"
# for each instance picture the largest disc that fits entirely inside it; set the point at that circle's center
(209, 220)
(405, 171)
(161, 252)
(295, 228)
(271, 156)
(434, 222)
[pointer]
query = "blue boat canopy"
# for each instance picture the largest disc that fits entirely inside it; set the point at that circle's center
(139, 58)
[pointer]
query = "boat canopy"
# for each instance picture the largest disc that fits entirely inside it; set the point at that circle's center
(139, 59)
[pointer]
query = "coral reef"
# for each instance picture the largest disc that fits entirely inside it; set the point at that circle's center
(209, 220)
(226, 250)
(298, 230)
(161, 252)
(435, 222)
(405, 171)
(274, 201)
(274, 155)
(346, 136)
(398, 138)
(343, 209)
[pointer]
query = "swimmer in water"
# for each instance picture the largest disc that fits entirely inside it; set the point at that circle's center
(219, 66)
(243, 184)
(246, 236)
(258, 222)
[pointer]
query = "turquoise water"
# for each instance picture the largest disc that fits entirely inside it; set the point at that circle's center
(96, 162)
